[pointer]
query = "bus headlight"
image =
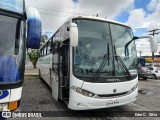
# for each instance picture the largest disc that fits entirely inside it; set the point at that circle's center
(3, 106)
(133, 89)
(82, 92)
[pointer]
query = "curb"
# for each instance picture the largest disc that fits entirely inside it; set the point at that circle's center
(31, 75)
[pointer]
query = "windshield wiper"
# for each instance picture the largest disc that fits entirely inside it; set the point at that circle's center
(105, 59)
(118, 58)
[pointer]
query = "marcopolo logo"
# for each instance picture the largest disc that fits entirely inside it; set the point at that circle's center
(3, 94)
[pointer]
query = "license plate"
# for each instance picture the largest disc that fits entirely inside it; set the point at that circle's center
(112, 102)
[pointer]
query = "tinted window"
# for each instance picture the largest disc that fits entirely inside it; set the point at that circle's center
(12, 49)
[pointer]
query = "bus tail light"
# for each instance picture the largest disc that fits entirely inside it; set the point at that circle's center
(82, 92)
(13, 105)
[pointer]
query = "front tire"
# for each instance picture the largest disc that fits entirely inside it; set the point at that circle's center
(144, 78)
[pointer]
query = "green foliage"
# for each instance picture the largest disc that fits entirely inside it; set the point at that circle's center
(33, 53)
(44, 38)
(33, 56)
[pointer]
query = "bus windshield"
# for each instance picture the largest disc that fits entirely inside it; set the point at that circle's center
(11, 49)
(97, 39)
(16, 6)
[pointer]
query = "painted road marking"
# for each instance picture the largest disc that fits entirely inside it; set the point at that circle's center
(140, 107)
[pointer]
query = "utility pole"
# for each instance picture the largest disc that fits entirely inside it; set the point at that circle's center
(153, 32)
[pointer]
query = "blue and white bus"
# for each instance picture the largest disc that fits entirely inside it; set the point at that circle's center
(19, 28)
(90, 63)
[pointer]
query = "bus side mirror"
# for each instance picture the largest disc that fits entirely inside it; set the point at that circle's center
(33, 28)
(153, 43)
(73, 35)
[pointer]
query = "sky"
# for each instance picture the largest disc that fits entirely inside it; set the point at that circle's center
(141, 15)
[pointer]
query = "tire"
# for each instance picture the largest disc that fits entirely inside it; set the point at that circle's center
(154, 76)
(144, 78)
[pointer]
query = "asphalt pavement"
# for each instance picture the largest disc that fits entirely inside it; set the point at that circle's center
(37, 97)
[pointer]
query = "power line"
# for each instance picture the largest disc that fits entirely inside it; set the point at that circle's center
(59, 12)
(153, 32)
(56, 10)
(52, 14)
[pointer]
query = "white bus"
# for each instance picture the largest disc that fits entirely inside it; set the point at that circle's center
(90, 63)
(15, 22)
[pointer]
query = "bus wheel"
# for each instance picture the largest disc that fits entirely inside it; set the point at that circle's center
(144, 78)
(154, 76)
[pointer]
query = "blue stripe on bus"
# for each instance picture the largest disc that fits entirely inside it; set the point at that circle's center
(4, 94)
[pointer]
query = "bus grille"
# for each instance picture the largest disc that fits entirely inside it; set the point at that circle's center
(113, 95)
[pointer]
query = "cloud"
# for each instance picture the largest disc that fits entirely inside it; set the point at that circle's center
(152, 5)
(154, 18)
(139, 18)
(55, 12)
(108, 8)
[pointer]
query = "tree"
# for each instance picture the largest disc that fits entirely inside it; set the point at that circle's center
(33, 53)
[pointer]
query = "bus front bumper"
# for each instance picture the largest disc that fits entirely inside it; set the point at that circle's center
(9, 99)
(80, 102)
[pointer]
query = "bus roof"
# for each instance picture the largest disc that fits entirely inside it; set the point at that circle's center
(97, 19)
(89, 18)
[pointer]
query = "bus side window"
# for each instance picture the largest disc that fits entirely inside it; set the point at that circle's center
(48, 47)
(55, 47)
(17, 46)
(43, 52)
(17, 42)
(55, 57)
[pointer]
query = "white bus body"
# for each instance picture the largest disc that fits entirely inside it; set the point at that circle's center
(72, 75)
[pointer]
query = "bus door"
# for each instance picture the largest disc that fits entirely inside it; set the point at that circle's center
(64, 71)
(55, 84)
(55, 71)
